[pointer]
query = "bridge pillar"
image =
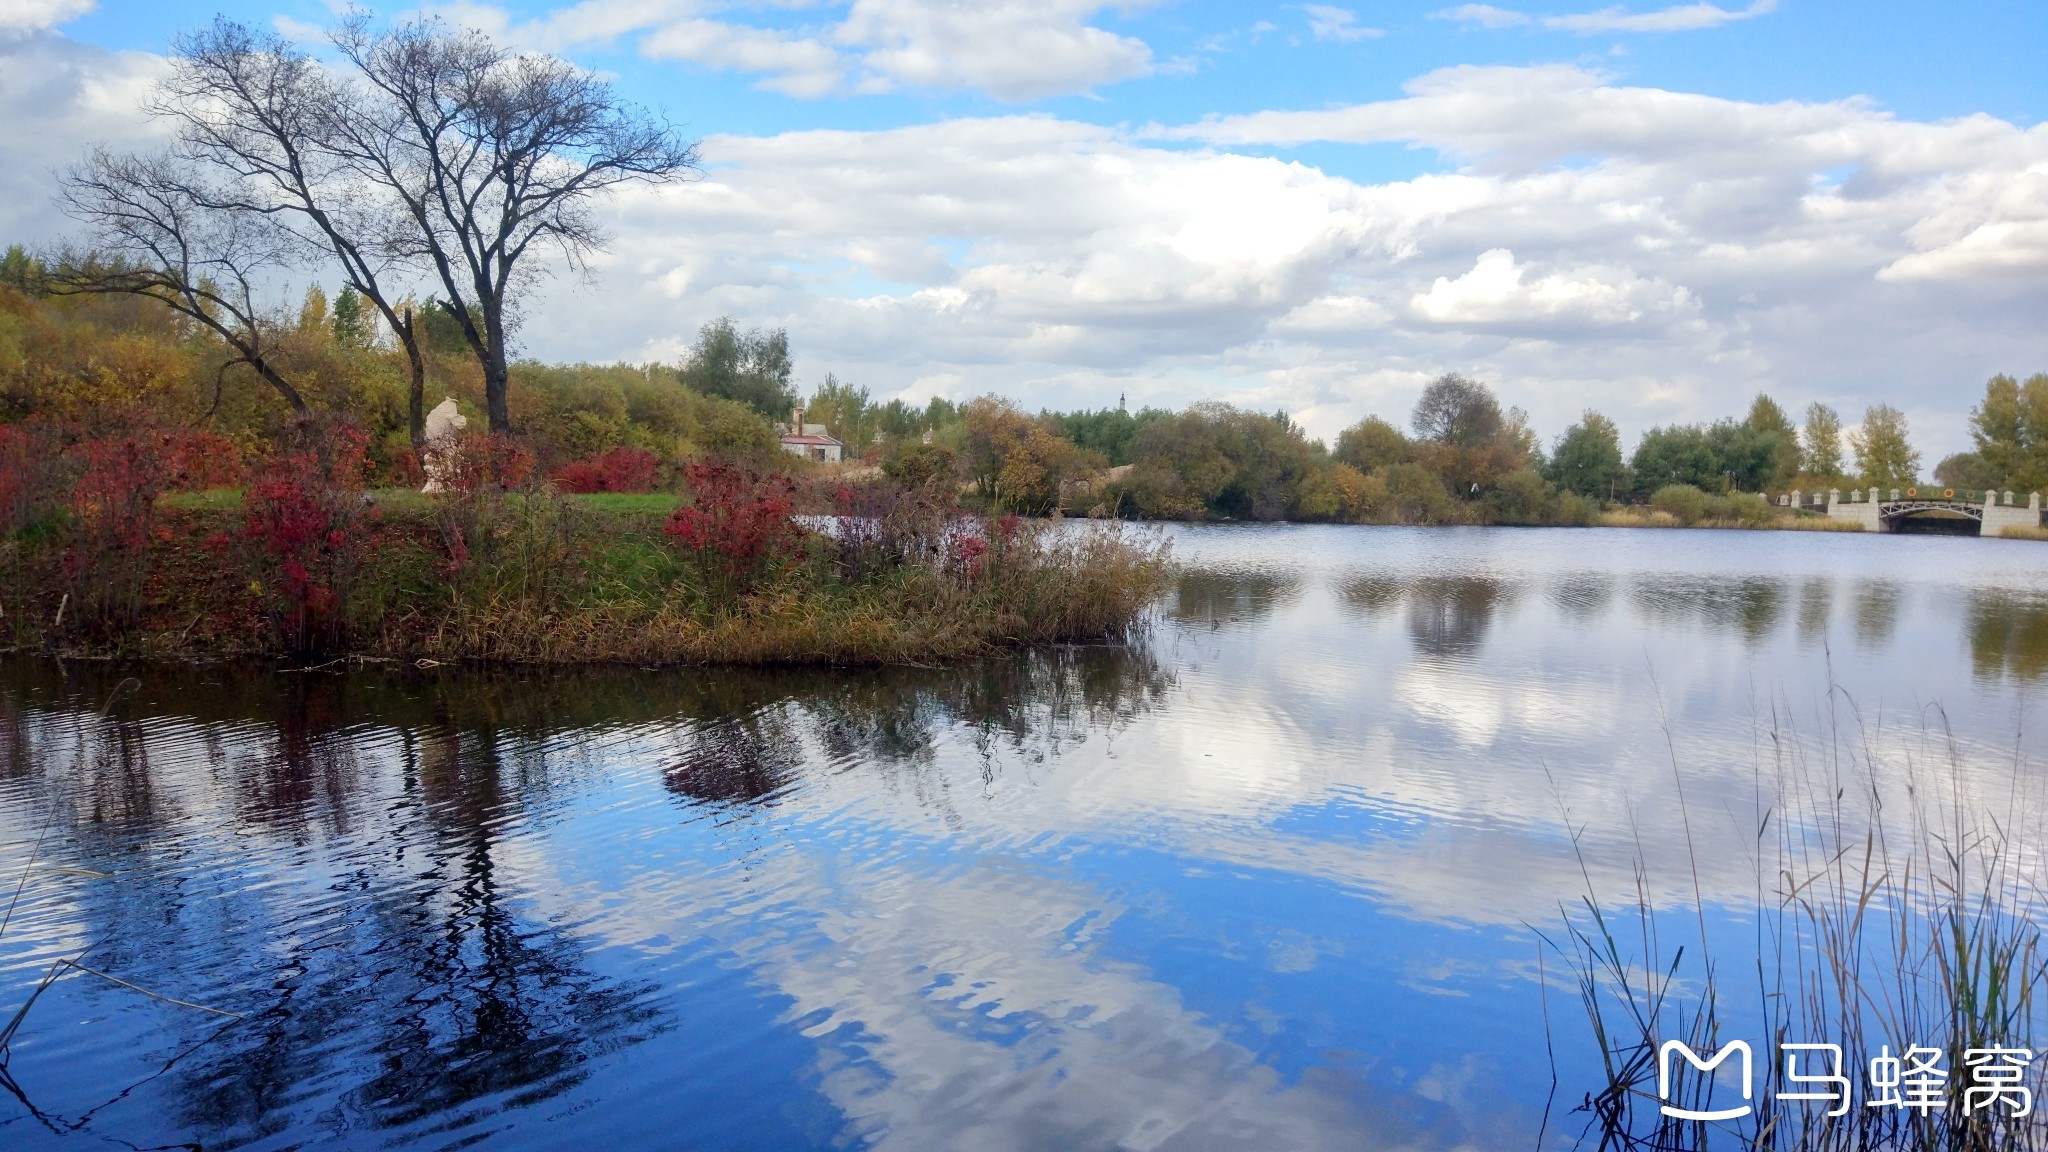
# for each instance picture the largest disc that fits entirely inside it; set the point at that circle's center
(1856, 511)
(1997, 518)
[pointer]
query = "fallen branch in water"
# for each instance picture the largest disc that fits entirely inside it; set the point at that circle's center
(57, 970)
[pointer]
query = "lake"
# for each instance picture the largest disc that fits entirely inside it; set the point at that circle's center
(1275, 877)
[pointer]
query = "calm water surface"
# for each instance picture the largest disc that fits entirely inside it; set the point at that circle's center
(1271, 880)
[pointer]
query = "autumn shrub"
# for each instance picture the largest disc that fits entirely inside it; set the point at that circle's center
(881, 527)
(622, 469)
(739, 527)
(111, 525)
(31, 477)
(307, 530)
(1340, 493)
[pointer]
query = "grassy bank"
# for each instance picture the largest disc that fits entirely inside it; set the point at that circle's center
(545, 577)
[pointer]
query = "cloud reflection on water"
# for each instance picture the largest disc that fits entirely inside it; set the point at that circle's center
(1260, 882)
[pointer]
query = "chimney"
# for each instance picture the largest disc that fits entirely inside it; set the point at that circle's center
(796, 420)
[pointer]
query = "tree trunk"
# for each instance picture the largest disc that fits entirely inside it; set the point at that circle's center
(284, 388)
(416, 388)
(496, 374)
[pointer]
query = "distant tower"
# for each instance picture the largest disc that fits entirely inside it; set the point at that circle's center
(1119, 401)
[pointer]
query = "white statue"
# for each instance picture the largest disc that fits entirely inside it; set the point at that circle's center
(444, 424)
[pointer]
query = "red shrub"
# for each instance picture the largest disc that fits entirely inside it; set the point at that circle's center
(308, 530)
(197, 460)
(113, 522)
(740, 524)
(620, 470)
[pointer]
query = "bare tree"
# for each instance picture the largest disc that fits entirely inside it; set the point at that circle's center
(490, 154)
(162, 232)
(252, 108)
(1458, 411)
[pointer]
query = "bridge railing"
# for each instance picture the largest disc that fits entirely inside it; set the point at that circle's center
(1860, 495)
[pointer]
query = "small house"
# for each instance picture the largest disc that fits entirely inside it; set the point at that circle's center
(811, 441)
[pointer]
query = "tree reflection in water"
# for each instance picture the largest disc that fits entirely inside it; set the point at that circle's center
(1220, 597)
(2008, 635)
(327, 855)
(1750, 606)
(1448, 616)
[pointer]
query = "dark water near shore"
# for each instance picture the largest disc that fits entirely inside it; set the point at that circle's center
(1269, 880)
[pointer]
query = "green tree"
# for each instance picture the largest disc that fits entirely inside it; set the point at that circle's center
(751, 367)
(1373, 445)
(1885, 457)
(1821, 447)
(353, 326)
(1776, 445)
(1587, 459)
(1679, 454)
(846, 410)
(1219, 461)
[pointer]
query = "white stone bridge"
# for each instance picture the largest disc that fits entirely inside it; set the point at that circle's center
(1883, 510)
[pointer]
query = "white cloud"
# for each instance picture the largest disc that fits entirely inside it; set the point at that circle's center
(1330, 23)
(795, 66)
(1680, 18)
(1484, 15)
(1013, 50)
(1493, 295)
(19, 16)
(58, 95)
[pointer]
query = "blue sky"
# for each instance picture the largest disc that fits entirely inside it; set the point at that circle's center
(1656, 209)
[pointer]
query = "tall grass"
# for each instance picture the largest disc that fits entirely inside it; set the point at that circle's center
(1894, 907)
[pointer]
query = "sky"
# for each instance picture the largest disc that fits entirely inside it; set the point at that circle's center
(1652, 209)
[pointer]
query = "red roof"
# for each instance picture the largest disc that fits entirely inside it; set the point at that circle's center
(819, 441)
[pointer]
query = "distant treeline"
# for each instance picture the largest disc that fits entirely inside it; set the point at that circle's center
(92, 361)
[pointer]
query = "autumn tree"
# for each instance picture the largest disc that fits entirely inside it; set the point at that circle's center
(1017, 462)
(1885, 457)
(1373, 445)
(1821, 443)
(2010, 428)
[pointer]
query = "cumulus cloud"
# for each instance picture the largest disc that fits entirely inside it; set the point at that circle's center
(1661, 255)
(1329, 23)
(59, 94)
(1494, 295)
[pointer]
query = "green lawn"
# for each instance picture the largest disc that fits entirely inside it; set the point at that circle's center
(406, 499)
